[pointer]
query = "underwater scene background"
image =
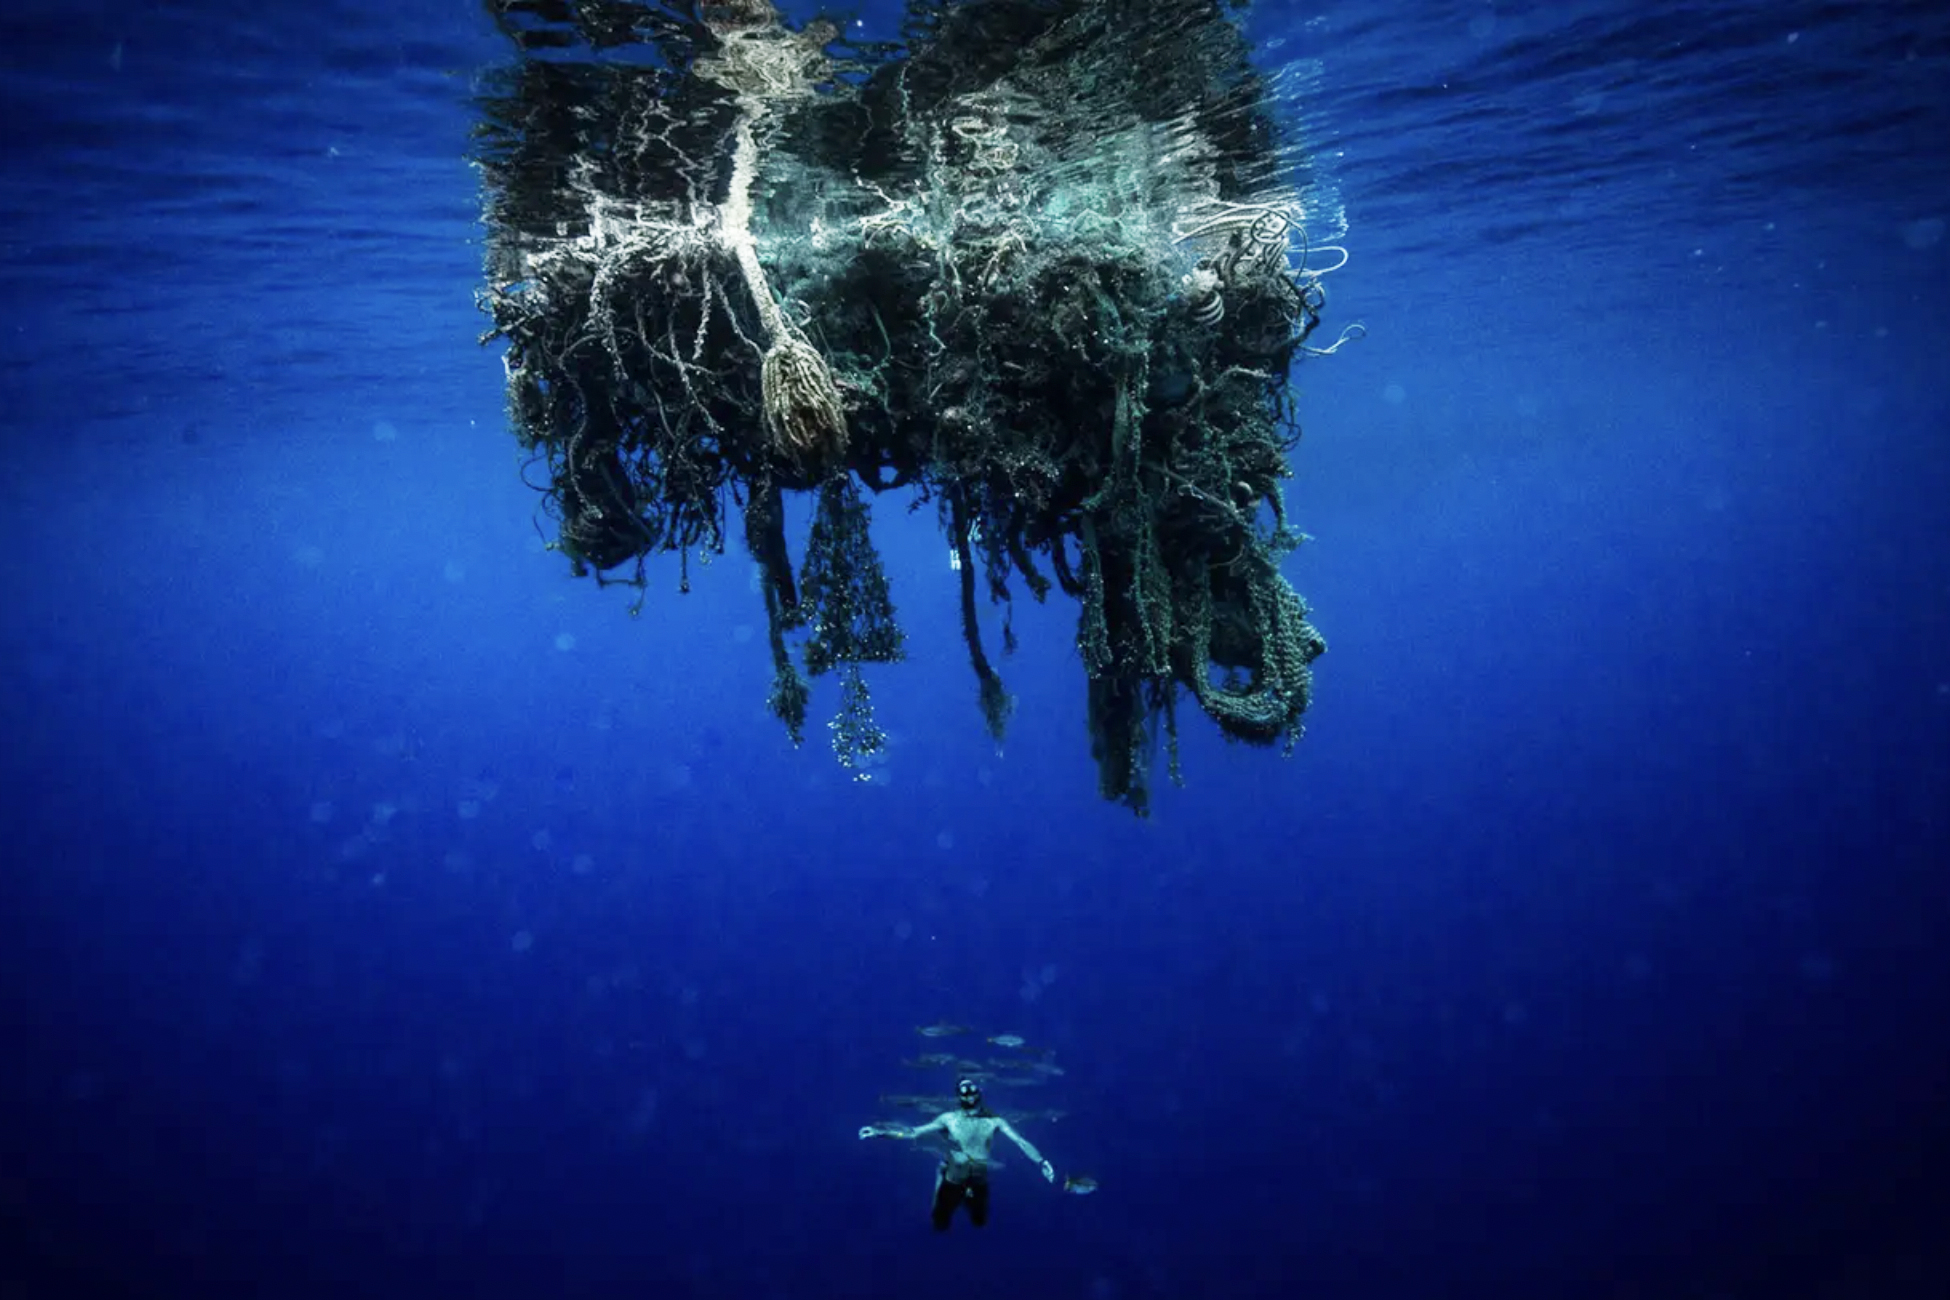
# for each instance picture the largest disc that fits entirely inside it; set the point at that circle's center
(384, 912)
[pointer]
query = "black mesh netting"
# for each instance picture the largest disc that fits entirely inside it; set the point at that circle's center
(1042, 264)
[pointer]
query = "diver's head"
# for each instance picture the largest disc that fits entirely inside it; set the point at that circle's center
(969, 1094)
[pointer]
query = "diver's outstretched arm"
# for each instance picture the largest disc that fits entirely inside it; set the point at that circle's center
(900, 1130)
(1028, 1149)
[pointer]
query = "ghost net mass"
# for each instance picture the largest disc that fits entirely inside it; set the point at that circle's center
(1040, 265)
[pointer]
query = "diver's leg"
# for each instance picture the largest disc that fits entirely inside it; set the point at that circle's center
(978, 1202)
(947, 1196)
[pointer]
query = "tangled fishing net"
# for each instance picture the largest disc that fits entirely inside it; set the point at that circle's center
(1040, 264)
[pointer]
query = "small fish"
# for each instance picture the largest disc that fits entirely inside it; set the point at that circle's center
(930, 1061)
(1079, 1184)
(1016, 1080)
(1036, 1116)
(1009, 1040)
(940, 1029)
(916, 1101)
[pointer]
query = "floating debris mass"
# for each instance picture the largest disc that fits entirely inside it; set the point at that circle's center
(1043, 265)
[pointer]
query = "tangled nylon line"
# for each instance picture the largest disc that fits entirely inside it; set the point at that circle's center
(1257, 237)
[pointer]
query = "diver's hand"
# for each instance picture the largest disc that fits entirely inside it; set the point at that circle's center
(882, 1130)
(1049, 1172)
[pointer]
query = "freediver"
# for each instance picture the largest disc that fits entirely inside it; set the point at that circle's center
(964, 1173)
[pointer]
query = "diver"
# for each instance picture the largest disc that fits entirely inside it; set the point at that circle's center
(964, 1172)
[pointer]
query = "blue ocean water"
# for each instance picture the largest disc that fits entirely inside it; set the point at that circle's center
(386, 914)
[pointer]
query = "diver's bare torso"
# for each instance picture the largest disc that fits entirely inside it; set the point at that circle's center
(969, 1140)
(964, 1171)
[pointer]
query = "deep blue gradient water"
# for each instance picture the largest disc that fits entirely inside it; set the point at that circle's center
(384, 913)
